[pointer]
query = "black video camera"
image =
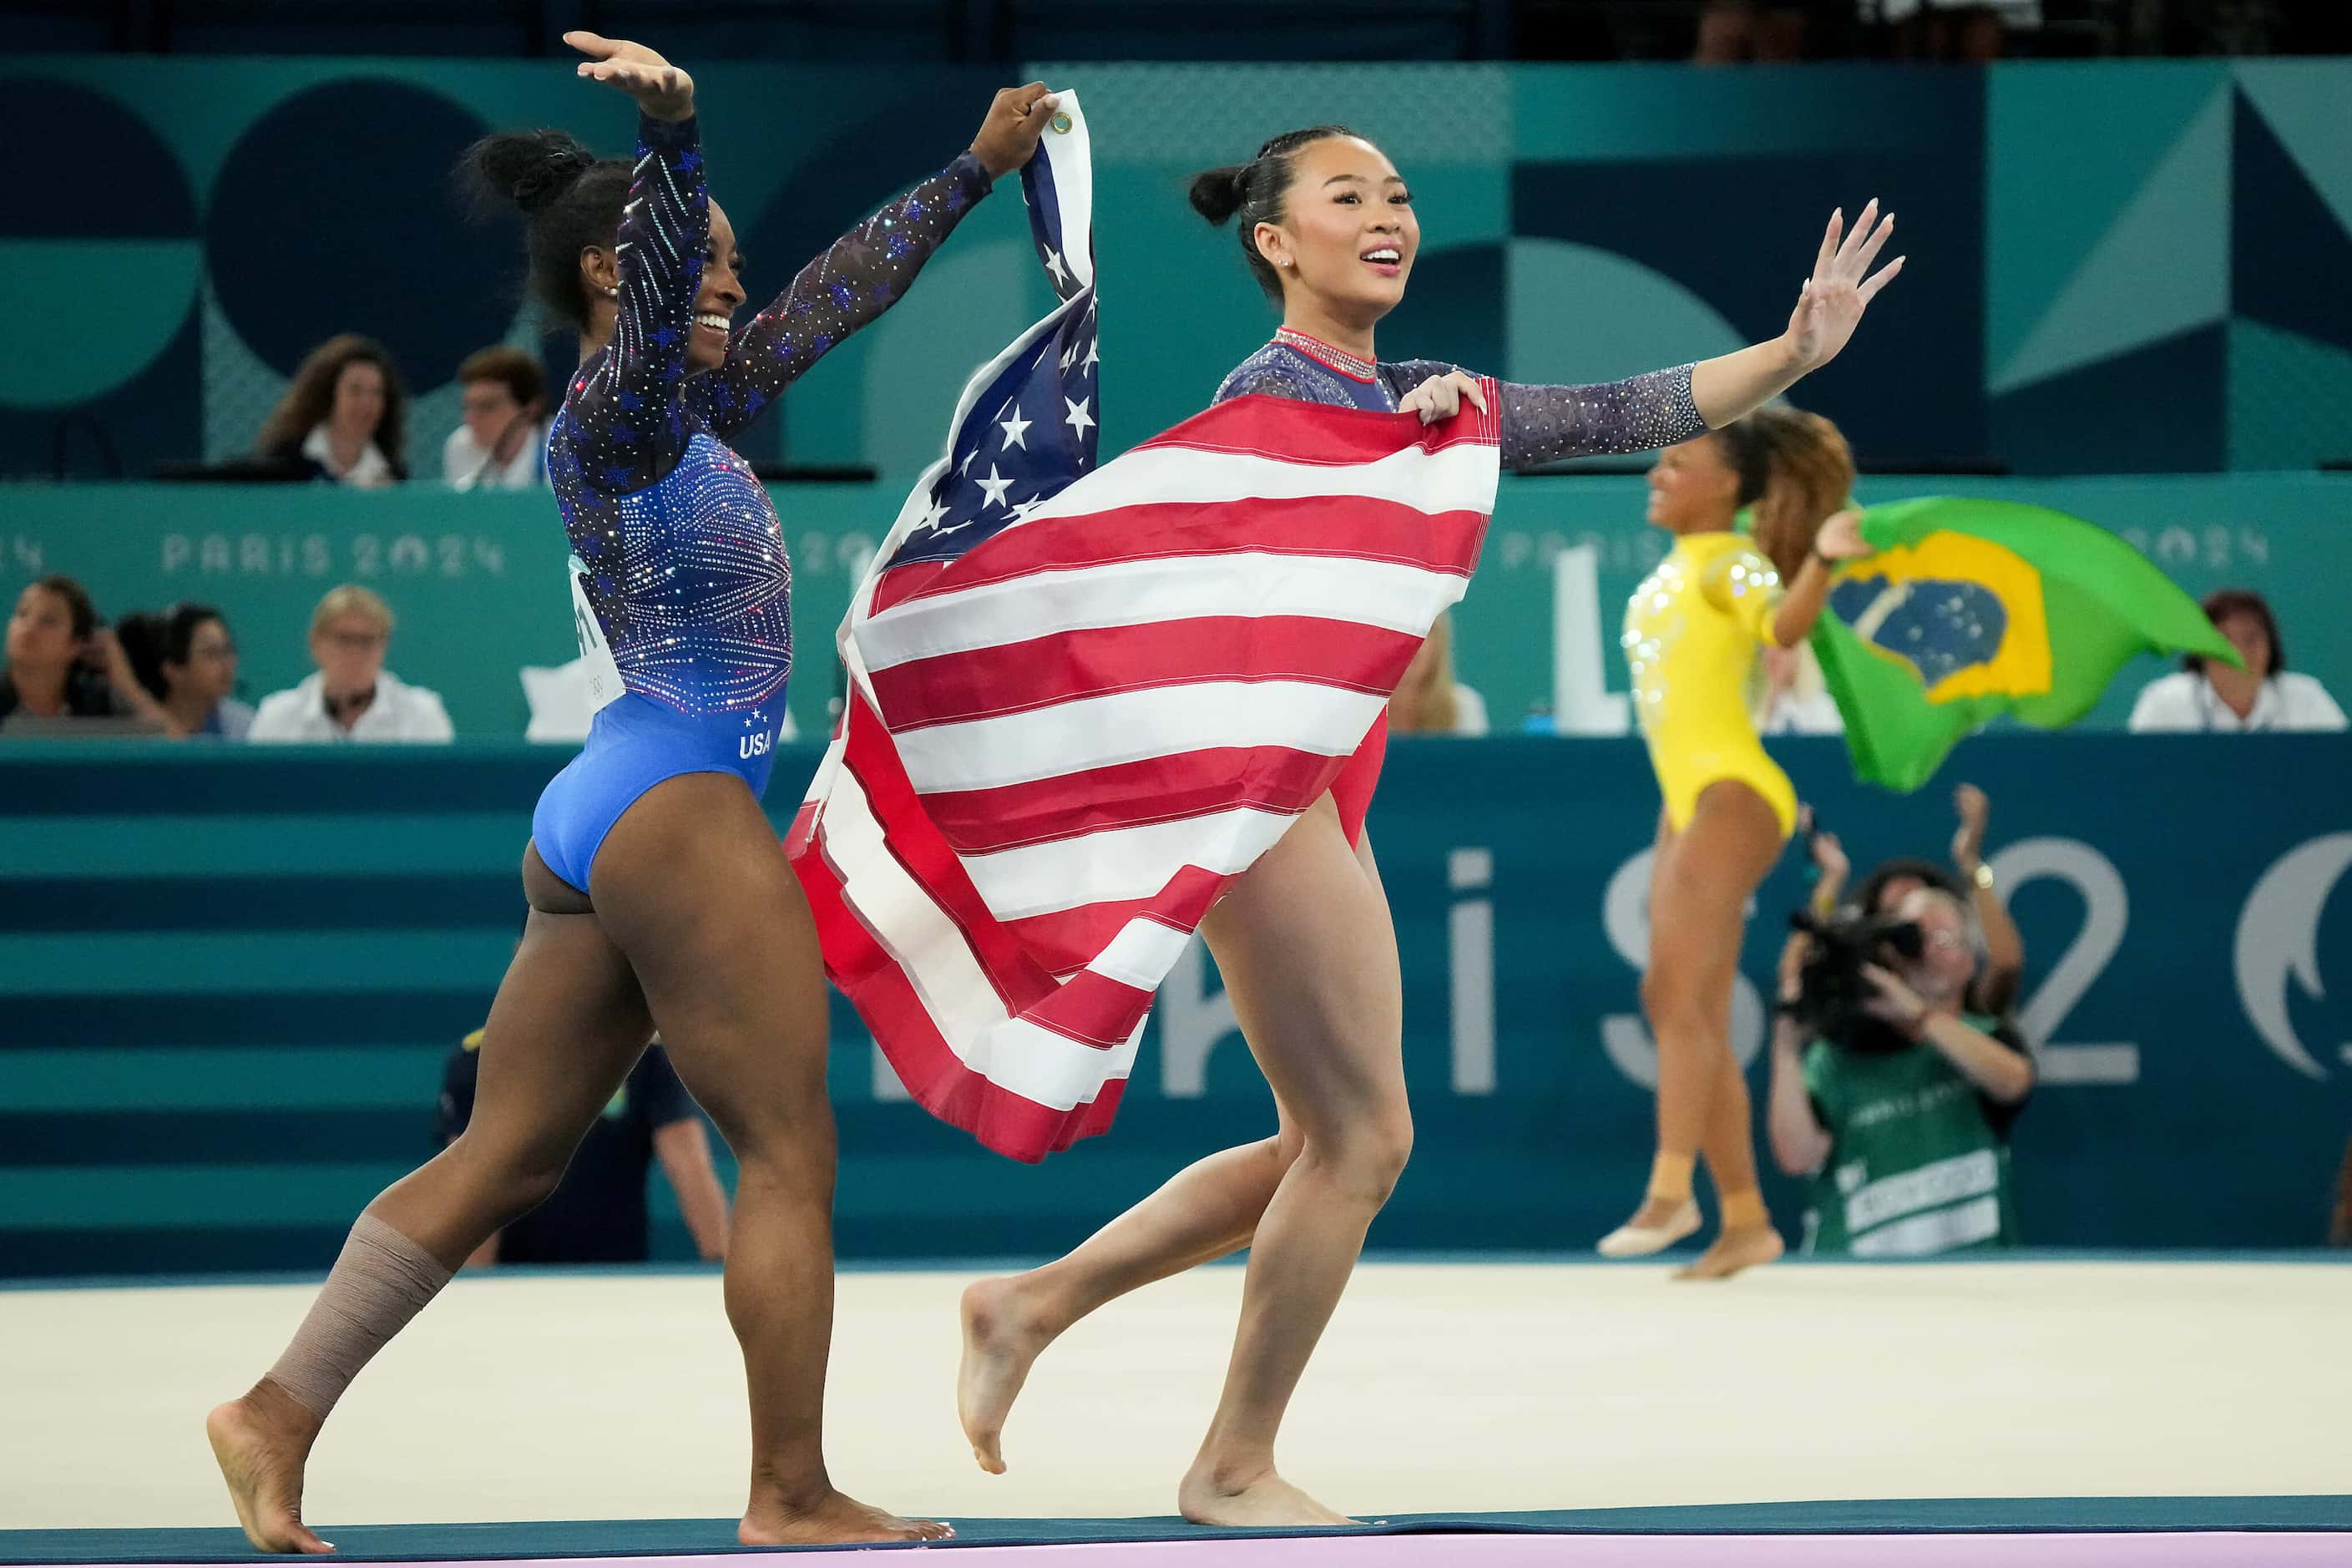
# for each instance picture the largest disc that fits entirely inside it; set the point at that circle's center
(1832, 994)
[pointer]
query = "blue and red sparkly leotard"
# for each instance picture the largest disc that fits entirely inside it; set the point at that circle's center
(679, 561)
(1539, 425)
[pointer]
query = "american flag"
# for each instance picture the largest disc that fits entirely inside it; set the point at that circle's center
(1082, 699)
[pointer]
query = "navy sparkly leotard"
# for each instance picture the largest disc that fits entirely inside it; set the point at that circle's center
(678, 568)
(1539, 425)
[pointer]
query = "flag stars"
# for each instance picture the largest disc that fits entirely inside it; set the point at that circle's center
(1078, 418)
(1053, 267)
(995, 485)
(1014, 429)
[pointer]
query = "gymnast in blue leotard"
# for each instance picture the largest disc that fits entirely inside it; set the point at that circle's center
(681, 587)
(659, 895)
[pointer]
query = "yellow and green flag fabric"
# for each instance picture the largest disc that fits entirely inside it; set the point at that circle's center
(1974, 608)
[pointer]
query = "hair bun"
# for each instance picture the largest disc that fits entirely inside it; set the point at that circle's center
(552, 178)
(530, 169)
(1217, 193)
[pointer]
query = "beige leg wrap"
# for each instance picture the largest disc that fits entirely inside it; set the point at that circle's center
(381, 1282)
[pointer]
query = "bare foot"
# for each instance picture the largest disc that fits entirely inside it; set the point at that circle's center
(1734, 1250)
(261, 1442)
(833, 1519)
(1264, 1500)
(999, 1345)
(1657, 1224)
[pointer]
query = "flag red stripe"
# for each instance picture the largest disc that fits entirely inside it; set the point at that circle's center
(1095, 661)
(1131, 795)
(1360, 527)
(1069, 939)
(1327, 434)
(910, 837)
(1095, 1008)
(1003, 1121)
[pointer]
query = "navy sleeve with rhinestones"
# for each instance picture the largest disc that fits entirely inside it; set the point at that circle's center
(1544, 425)
(863, 274)
(628, 414)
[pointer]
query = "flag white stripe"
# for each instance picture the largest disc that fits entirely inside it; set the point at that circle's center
(1142, 954)
(1012, 1054)
(1119, 863)
(1253, 583)
(1090, 733)
(905, 918)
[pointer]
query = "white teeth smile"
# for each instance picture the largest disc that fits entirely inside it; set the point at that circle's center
(711, 319)
(1385, 257)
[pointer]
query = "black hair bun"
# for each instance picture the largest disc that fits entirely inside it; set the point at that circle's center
(1217, 193)
(530, 169)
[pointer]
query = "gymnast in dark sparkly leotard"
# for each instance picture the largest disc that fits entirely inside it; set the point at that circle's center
(659, 895)
(1303, 938)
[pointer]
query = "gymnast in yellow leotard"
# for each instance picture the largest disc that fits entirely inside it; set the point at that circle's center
(1693, 633)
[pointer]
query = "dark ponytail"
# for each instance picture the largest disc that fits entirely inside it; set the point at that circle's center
(1795, 470)
(1255, 192)
(569, 198)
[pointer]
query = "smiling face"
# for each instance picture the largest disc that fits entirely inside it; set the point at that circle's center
(1348, 233)
(715, 303)
(1692, 488)
(721, 298)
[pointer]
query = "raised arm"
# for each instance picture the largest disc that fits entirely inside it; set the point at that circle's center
(1829, 307)
(860, 276)
(629, 425)
(868, 269)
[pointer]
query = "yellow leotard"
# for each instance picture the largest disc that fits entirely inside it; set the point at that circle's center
(1692, 630)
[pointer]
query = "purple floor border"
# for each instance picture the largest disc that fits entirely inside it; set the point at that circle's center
(2240, 1549)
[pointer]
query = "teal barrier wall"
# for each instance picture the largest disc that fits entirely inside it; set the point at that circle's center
(2114, 266)
(227, 980)
(477, 579)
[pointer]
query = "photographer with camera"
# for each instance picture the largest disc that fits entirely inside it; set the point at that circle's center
(1892, 881)
(1893, 1098)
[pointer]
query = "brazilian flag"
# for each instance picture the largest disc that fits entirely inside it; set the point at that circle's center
(1974, 608)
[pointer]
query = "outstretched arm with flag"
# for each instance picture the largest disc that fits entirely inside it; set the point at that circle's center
(1970, 609)
(1082, 699)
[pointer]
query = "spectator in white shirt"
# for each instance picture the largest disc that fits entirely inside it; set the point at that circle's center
(1428, 700)
(352, 697)
(2205, 695)
(344, 417)
(502, 445)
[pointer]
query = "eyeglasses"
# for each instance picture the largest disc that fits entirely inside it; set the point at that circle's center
(357, 642)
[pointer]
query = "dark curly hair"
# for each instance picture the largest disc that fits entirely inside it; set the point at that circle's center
(1256, 191)
(312, 397)
(570, 199)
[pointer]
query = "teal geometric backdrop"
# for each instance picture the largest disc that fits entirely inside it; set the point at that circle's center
(2114, 268)
(2174, 240)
